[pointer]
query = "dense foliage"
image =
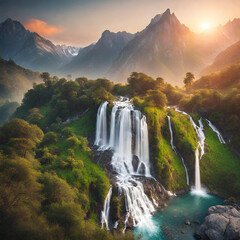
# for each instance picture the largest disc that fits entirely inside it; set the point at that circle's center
(50, 186)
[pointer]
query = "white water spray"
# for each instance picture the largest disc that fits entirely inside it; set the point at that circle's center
(106, 209)
(101, 126)
(175, 150)
(128, 137)
(216, 131)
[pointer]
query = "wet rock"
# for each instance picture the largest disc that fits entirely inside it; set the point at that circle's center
(221, 223)
(142, 169)
(135, 162)
(197, 222)
(187, 223)
(197, 236)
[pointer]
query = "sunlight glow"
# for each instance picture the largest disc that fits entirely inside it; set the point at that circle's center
(205, 26)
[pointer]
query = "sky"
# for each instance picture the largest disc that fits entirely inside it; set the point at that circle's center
(81, 22)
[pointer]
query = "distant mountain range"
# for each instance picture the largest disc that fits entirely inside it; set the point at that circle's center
(94, 60)
(164, 48)
(30, 50)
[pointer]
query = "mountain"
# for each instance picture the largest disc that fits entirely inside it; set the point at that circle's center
(212, 42)
(68, 51)
(164, 48)
(223, 80)
(94, 60)
(29, 49)
(15, 80)
(229, 56)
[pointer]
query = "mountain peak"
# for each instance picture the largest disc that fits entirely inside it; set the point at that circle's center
(13, 25)
(158, 17)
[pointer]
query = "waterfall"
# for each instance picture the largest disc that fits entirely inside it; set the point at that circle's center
(112, 130)
(106, 209)
(198, 156)
(175, 150)
(216, 131)
(128, 140)
(101, 126)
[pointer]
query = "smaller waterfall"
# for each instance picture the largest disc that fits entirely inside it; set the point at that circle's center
(171, 134)
(216, 131)
(101, 126)
(198, 156)
(175, 150)
(106, 209)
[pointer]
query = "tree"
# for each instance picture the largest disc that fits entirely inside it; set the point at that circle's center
(18, 128)
(56, 190)
(155, 98)
(73, 141)
(188, 80)
(34, 116)
(45, 76)
(49, 138)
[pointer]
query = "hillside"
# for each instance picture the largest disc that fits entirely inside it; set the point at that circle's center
(15, 80)
(227, 57)
(223, 80)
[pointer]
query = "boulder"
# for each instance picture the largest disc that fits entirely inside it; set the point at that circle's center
(135, 163)
(221, 223)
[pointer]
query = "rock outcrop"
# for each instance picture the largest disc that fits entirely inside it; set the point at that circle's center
(221, 223)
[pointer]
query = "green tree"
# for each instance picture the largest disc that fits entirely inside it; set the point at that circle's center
(188, 80)
(45, 76)
(34, 116)
(155, 98)
(49, 138)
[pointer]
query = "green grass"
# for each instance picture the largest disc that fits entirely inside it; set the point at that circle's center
(177, 171)
(86, 175)
(185, 139)
(168, 166)
(220, 167)
(45, 111)
(85, 125)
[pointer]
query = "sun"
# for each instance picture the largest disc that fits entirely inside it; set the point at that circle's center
(205, 26)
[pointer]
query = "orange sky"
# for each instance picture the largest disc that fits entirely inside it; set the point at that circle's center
(81, 22)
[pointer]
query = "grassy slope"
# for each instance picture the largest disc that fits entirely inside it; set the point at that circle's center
(220, 167)
(185, 140)
(85, 125)
(167, 165)
(88, 176)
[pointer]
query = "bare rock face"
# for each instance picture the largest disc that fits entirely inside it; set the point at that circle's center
(221, 223)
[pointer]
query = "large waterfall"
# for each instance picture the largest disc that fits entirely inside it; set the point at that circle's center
(198, 155)
(175, 150)
(129, 142)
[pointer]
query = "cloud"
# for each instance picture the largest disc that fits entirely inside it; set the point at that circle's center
(41, 27)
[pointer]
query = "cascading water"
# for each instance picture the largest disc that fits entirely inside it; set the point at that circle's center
(198, 156)
(101, 127)
(128, 140)
(112, 130)
(106, 209)
(216, 131)
(174, 148)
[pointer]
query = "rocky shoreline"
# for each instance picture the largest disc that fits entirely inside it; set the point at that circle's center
(221, 223)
